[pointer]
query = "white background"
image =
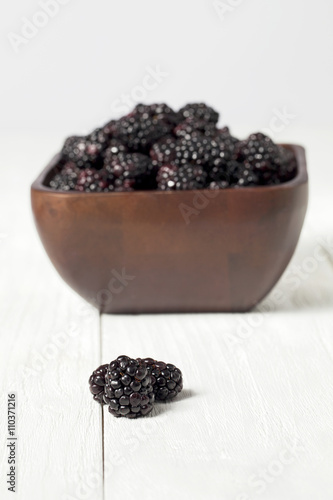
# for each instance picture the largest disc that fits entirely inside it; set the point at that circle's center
(256, 385)
(260, 56)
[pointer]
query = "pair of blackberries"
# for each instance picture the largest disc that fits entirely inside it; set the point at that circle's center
(130, 386)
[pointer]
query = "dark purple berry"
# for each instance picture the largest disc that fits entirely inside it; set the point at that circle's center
(200, 111)
(133, 167)
(268, 161)
(161, 112)
(194, 127)
(164, 151)
(85, 152)
(66, 179)
(167, 379)
(131, 395)
(91, 180)
(170, 177)
(141, 128)
(115, 147)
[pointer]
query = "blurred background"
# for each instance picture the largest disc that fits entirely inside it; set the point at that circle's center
(69, 66)
(71, 60)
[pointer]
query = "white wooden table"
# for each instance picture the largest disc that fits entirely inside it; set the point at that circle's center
(255, 418)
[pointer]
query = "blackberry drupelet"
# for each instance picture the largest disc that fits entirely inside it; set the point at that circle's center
(66, 179)
(200, 111)
(183, 178)
(128, 388)
(167, 379)
(97, 383)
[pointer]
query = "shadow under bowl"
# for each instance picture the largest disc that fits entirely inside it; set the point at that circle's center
(174, 251)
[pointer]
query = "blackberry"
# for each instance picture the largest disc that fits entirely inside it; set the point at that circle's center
(288, 165)
(108, 128)
(267, 159)
(186, 177)
(223, 135)
(130, 166)
(200, 111)
(242, 174)
(194, 127)
(100, 138)
(160, 112)
(85, 152)
(196, 150)
(166, 176)
(218, 152)
(144, 126)
(66, 179)
(128, 388)
(97, 383)
(218, 171)
(167, 379)
(92, 180)
(114, 148)
(164, 150)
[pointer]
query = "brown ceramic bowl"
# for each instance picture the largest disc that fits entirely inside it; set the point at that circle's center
(176, 251)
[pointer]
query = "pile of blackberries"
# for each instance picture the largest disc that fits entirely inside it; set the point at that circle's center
(130, 386)
(154, 147)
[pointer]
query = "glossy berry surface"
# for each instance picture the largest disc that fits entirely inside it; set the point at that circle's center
(200, 111)
(186, 177)
(82, 151)
(270, 163)
(128, 388)
(130, 166)
(91, 180)
(145, 125)
(67, 177)
(167, 379)
(97, 383)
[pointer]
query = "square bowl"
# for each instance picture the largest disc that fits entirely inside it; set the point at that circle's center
(172, 251)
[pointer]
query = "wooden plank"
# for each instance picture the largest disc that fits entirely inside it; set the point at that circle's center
(50, 344)
(255, 414)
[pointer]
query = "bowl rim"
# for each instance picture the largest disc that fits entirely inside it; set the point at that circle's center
(300, 178)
